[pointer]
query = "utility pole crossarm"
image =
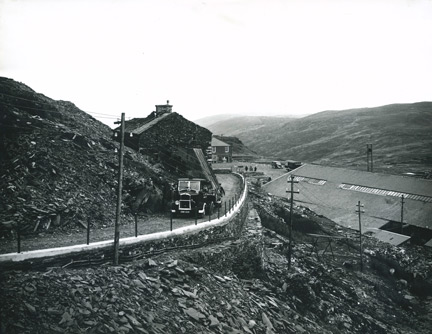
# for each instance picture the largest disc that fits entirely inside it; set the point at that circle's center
(291, 180)
(119, 191)
(402, 212)
(360, 211)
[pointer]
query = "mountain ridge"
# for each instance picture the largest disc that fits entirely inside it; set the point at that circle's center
(400, 134)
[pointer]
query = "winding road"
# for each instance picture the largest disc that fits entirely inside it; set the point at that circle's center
(146, 225)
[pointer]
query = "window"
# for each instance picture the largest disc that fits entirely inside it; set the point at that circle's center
(226, 149)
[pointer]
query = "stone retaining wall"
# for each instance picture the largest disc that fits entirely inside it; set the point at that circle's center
(224, 228)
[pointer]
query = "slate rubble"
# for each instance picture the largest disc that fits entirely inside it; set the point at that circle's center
(207, 291)
(58, 166)
(241, 286)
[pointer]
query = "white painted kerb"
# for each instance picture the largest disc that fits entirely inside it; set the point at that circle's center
(50, 252)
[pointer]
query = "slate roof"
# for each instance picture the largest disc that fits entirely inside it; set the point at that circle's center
(217, 142)
(338, 204)
(139, 125)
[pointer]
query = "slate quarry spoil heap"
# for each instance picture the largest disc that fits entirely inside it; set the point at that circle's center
(241, 286)
(58, 165)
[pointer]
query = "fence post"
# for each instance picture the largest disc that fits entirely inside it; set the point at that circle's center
(171, 221)
(225, 209)
(136, 225)
(209, 213)
(88, 230)
(18, 228)
(116, 247)
(229, 205)
(196, 215)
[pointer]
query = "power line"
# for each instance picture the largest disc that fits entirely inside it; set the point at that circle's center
(24, 99)
(51, 104)
(98, 115)
(160, 149)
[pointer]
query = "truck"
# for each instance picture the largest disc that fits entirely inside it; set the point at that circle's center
(276, 165)
(195, 196)
(292, 164)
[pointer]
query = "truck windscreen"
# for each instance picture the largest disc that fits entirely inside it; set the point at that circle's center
(189, 185)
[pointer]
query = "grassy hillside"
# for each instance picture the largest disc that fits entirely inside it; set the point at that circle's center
(243, 125)
(209, 120)
(401, 135)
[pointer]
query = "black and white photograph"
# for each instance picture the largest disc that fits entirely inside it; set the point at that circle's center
(216, 166)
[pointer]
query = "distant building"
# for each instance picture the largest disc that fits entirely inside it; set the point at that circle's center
(239, 152)
(220, 151)
(165, 136)
(334, 193)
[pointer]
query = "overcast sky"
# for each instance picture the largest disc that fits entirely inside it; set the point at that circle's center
(262, 57)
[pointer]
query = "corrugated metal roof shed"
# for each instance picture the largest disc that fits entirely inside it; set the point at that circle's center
(374, 180)
(390, 237)
(339, 205)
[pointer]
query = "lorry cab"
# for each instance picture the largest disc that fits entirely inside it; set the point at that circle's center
(194, 196)
(276, 165)
(292, 164)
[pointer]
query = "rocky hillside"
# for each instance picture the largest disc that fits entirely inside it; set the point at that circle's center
(240, 286)
(58, 166)
(401, 135)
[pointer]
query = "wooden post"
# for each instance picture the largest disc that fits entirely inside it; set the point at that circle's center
(360, 211)
(225, 209)
(402, 208)
(88, 230)
(196, 215)
(18, 229)
(229, 205)
(171, 221)
(136, 224)
(119, 191)
(291, 180)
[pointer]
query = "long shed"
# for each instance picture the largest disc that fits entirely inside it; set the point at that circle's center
(335, 192)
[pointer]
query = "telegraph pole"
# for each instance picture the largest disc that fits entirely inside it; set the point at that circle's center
(119, 191)
(402, 205)
(292, 192)
(360, 211)
(369, 157)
